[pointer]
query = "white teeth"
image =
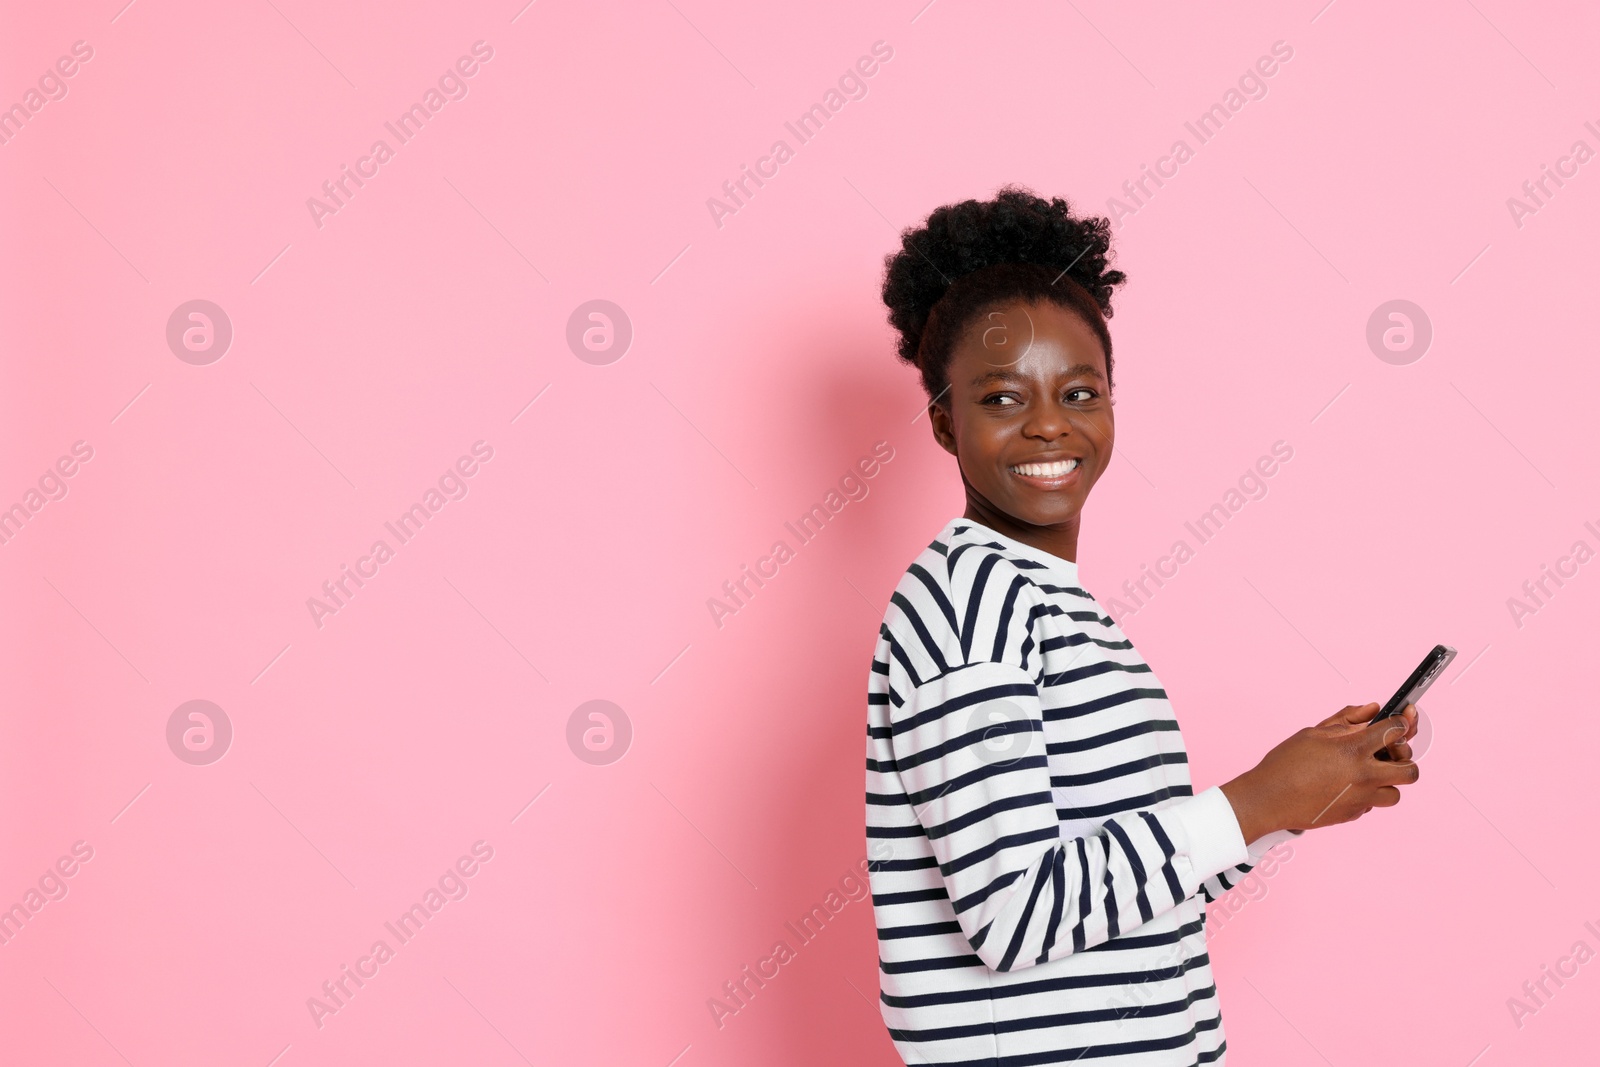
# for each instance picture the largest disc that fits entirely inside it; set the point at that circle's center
(1046, 470)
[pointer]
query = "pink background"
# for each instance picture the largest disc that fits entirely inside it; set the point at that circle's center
(368, 354)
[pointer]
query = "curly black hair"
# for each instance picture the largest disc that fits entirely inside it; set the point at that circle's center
(969, 257)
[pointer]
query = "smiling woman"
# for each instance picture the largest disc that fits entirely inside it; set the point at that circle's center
(1018, 890)
(1042, 477)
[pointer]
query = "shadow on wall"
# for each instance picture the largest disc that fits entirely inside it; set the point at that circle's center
(823, 1006)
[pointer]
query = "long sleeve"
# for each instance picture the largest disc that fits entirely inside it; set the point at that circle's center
(1022, 893)
(1213, 887)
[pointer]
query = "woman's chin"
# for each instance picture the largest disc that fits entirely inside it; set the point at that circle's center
(1050, 511)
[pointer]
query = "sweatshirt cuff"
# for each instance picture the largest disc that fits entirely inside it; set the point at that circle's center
(1266, 842)
(1215, 841)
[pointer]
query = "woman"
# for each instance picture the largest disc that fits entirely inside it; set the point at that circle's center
(1039, 852)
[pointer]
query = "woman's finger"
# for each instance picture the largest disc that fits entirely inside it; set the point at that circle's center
(1353, 714)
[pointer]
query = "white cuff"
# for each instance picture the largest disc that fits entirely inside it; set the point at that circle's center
(1214, 839)
(1265, 843)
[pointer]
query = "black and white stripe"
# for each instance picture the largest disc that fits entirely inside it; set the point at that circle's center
(1039, 853)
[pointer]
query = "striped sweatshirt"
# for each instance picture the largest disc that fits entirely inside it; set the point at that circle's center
(1038, 854)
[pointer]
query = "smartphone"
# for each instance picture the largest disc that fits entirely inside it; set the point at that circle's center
(1432, 665)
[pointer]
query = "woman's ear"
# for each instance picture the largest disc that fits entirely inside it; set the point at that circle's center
(943, 428)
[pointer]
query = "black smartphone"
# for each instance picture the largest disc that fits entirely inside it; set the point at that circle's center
(1432, 665)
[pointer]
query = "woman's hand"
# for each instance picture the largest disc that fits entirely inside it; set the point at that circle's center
(1328, 773)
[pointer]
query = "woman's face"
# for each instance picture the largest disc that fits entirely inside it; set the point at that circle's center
(1027, 416)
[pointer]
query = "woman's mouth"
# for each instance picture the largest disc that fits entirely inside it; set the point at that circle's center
(1056, 474)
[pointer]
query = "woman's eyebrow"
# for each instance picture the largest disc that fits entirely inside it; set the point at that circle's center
(1086, 369)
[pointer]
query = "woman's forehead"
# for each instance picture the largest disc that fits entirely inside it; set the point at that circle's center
(1034, 341)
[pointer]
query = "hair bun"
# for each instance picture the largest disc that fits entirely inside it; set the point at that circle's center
(959, 240)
